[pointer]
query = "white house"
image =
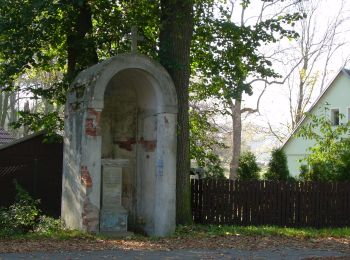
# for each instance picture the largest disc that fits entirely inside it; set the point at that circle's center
(336, 97)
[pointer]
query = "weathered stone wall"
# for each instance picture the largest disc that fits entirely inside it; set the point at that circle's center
(146, 162)
(165, 177)
(82, 127)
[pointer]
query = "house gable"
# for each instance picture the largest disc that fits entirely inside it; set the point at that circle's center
(336, 96)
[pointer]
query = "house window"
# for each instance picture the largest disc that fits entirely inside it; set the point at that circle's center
(335, 116)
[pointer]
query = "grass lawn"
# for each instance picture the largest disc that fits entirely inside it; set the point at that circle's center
(202, 231)
(221, 230)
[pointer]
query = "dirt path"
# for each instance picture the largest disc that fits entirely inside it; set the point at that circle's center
(228, 247)
(281, 253)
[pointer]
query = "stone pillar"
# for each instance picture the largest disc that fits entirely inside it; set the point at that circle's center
(113, 215)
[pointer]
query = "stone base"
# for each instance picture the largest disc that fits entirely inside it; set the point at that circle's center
(114, 221)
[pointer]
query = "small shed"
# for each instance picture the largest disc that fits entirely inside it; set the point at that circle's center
(37, 167)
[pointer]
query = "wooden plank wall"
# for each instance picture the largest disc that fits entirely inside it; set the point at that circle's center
(290, 204)
(37, 167)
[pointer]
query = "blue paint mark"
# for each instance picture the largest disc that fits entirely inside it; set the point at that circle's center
(160, 167)
(109, 220)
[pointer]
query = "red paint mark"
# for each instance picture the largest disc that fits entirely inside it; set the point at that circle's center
(92, 123)
(90, 215)
(148, 145)
(85, 177)
(127, 145)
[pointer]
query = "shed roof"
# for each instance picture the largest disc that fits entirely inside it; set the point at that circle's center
(21, 140)
(5, 137)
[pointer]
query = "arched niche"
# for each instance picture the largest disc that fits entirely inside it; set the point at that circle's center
(121, 113)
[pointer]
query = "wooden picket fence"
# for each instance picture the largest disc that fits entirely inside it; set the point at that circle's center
(290, 204)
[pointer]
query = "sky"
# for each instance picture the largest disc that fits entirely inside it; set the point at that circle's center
(274, 105)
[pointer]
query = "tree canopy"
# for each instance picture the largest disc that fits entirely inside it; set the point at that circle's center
(185, 36)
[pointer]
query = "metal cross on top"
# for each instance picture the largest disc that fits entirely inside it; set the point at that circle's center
(134, 37)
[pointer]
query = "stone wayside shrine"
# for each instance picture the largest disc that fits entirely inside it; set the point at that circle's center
(119, 167)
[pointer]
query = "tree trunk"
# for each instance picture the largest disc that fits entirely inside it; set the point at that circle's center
(26, 108)
(1, 100)
(301, 89)
(4, 109)
(81, 50)
(175, 40)
(13, 110)
(236, 137)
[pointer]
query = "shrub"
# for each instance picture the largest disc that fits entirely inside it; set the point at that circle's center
(303, 172)
(204, 144)
(329, 158)
(48, 225)
(24, 216)
(248, 169)
(277, 167)
(21, 216)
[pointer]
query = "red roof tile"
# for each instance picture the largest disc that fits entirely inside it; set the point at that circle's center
(5, 137)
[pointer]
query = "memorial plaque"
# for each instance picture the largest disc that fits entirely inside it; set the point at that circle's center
(113, 215)
(112, 186)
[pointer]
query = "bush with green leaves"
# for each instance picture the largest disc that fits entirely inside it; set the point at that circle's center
(24, 216)
(278, 166)
(203, 144)
(329, 158)
(21, 216)
(48, 225)
(248, 169)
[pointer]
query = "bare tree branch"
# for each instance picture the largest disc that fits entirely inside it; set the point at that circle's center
(255, 110)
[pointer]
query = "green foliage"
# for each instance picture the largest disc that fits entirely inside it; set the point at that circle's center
(303, 171)
(248, 168)
(25, 217)
(48, 36)
(277, 167)
(51, 122)
(21, 216)
(203, 143)
(329, 158)
(227, 54)
(66, 37)
(48, 225)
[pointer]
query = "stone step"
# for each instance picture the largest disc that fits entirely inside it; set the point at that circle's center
(114, 234)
